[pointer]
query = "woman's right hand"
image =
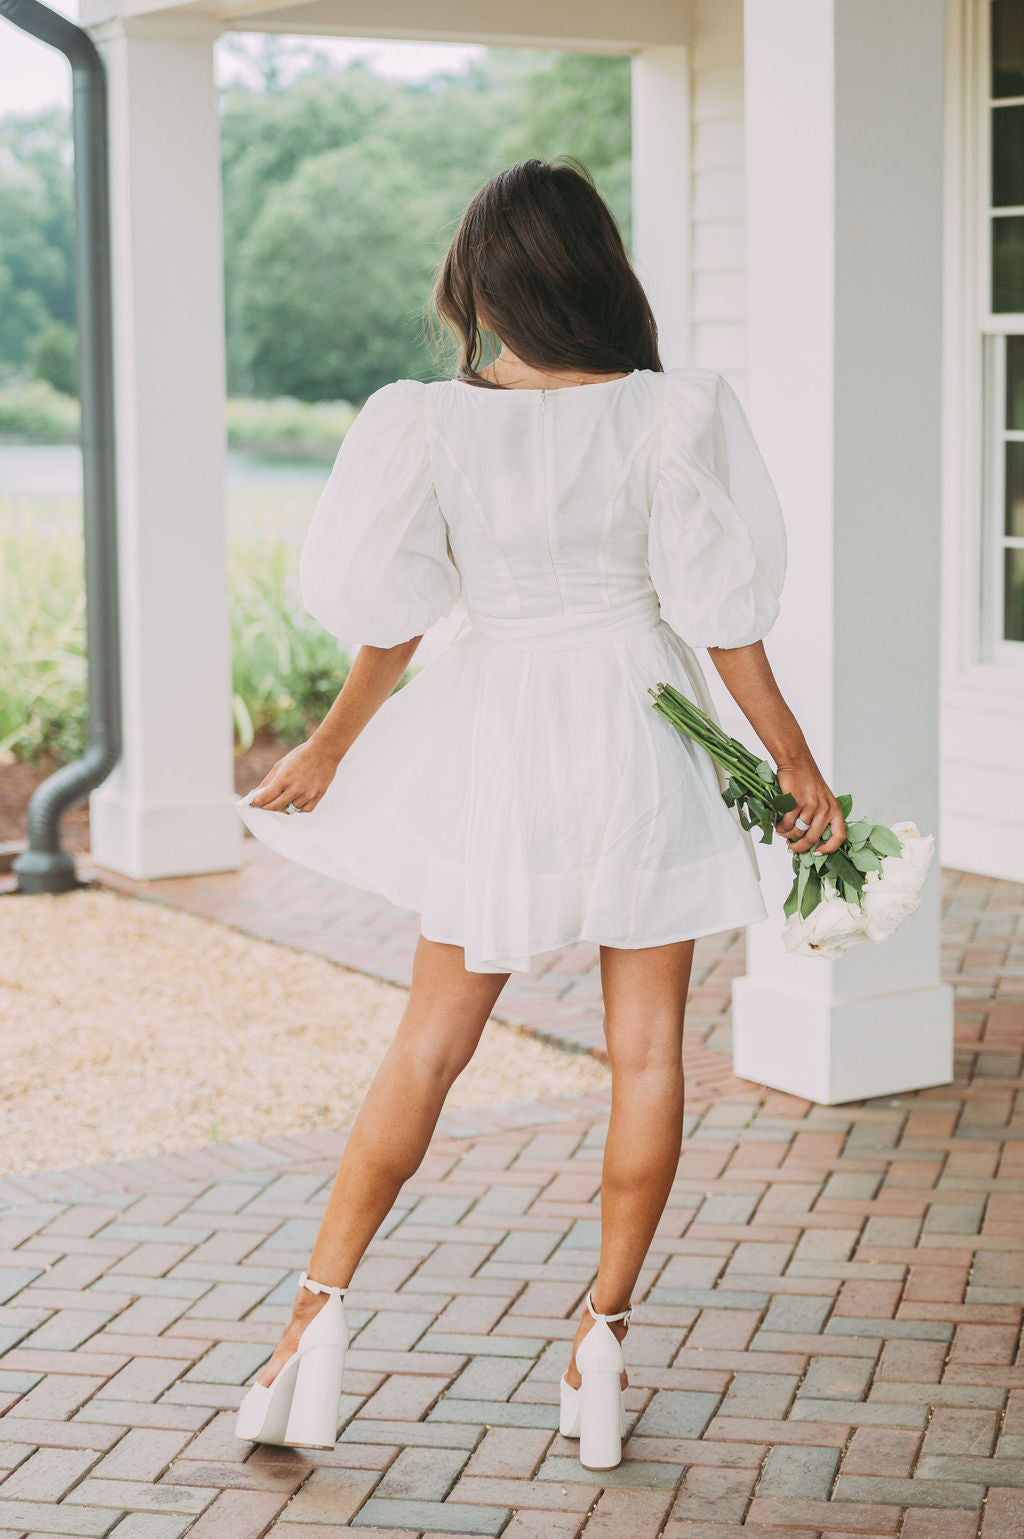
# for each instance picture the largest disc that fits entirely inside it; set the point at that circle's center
(815, 804)
(301, 777)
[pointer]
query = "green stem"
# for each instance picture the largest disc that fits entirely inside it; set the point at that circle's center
(734, 757)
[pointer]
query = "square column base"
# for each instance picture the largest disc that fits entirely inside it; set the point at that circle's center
(842, 1050)
(147, 842)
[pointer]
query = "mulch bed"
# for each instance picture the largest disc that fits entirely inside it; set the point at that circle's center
(19, 780)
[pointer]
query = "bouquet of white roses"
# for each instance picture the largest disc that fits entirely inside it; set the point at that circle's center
(861, 891)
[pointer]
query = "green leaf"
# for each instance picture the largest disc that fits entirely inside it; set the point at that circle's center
(884, 840)
(865, 859)
(801, 885)
(845, 805)
(843, 870)
(857, 833)
(812, 892)
(764, 770)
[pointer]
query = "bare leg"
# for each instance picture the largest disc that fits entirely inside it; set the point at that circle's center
(443, 1021)
(645, 1001)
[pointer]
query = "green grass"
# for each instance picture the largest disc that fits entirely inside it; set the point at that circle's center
(286, 670)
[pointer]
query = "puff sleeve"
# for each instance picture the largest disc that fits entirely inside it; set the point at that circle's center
(717, 538)
(375, 566)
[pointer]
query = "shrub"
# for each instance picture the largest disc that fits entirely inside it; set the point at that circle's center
(36, 413)
(42, 646)
(286, 669)
(53, 357)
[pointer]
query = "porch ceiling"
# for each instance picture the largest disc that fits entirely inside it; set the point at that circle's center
(596, 25)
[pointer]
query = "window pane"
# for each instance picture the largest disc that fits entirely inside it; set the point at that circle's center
(1008, 264)
(1015, 384)
(1007, 157)
(1013, 601)
(1015, 489)
(1007, 48)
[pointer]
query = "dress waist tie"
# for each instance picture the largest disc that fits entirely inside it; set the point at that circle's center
(575, 628)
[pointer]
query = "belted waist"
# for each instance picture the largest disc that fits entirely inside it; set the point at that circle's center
(577, 628)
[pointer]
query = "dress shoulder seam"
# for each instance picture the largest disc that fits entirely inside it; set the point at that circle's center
(429, 434)
(659, 454)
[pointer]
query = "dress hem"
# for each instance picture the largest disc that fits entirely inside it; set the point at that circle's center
(590, 940)
(363, 884)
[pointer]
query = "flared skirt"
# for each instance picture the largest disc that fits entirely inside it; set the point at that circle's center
(522, 799)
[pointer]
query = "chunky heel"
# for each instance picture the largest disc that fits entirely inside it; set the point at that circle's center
(300, 1408)
(596, 1412)
(569, 1410)
(601, 1420)
(313, 1422)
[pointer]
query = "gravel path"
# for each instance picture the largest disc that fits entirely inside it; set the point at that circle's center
(131, 1027)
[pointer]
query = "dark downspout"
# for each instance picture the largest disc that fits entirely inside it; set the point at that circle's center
(46, 866)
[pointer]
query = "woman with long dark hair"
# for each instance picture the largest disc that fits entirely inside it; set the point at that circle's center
(599, 517)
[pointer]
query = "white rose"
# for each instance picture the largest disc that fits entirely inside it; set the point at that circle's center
(889, 899)
(917, 849)
(831, 928)
(899, 874)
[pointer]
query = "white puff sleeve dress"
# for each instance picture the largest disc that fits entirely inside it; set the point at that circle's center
(521, 792)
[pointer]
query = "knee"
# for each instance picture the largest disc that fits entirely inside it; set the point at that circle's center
(635, 1051)
(434, 1057)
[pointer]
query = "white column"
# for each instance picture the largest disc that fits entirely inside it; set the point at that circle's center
(167, 809)
(661, 193)
(844, 146)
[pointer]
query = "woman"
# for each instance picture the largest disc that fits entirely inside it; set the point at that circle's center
(599, 518)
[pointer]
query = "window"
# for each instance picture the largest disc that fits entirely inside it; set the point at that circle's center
(1004, 324)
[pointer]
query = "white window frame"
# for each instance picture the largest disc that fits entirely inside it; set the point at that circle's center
(995, 327)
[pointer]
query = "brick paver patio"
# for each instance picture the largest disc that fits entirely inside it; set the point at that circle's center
(827, 1340)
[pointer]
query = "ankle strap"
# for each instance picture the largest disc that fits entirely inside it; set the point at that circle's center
(315, 1287)
(623, 1314)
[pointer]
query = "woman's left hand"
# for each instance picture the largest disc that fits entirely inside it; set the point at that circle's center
(299, 779)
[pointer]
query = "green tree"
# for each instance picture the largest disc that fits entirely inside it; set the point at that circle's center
(36, 230)
(328, 262)
(331, 275)
(421, 151)
(266, 137)
(53, 356)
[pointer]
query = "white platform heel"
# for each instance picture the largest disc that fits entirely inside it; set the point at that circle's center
(596, 1412)
(300, 1408)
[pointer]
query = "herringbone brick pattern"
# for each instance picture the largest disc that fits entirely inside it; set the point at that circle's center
(827, 1340)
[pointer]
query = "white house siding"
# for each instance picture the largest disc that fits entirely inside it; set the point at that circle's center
(718, 300)
(982, 823)
(982, 756)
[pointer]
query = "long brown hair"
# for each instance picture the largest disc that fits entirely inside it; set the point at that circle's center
(539, 260)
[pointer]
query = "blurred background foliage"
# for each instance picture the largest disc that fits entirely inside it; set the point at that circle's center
(341, 192)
